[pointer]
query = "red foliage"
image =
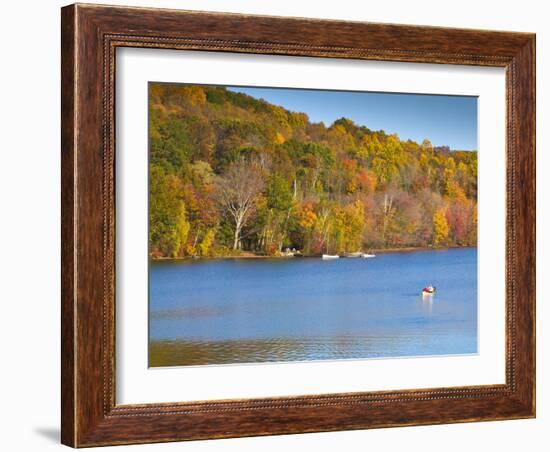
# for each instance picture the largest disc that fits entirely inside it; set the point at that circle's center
(457, 219)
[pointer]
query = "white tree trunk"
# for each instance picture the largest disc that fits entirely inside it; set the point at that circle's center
(238, 226)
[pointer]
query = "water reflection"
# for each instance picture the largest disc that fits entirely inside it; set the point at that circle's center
(427, 303)
(174, 353)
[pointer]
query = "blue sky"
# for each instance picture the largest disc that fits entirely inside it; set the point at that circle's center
(444, 120)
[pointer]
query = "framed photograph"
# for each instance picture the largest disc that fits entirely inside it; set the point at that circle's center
(281, 225)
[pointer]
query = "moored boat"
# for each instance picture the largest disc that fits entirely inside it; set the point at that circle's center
(330, 256)
(367, 255)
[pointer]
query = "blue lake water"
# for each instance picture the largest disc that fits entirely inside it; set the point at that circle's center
(299, 309)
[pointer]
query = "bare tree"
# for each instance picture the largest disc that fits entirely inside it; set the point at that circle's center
(387, 213)
(324, 225)
(237, 191)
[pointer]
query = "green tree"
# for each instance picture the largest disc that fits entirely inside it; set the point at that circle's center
(170, 142)
(279, 202)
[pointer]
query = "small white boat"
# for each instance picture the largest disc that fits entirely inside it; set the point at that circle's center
(330, 256)
(367, 256)
(353, 255)
(428, 291)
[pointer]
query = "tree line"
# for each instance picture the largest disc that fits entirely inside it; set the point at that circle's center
(230, 174)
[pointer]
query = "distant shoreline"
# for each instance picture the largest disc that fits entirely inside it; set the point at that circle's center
(250, 255)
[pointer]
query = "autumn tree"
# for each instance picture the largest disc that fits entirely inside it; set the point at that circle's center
(307, 220)
(168, 226)
(348, 227)
(441, 227)
(279, 202)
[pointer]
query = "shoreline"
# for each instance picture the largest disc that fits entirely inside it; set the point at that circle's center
(250, 255)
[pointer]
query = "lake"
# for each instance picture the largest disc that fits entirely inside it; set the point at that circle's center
(221, 311)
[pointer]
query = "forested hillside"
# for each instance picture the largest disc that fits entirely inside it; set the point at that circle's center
(230, 173)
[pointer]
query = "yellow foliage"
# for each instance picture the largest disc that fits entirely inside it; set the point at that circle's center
(205, 246)
(454, 191)
(351, 186)
(349, 226)
(279, 138)
(195, 95)
(190, 250)
(441, 227)
(156, 90)
(308, 218)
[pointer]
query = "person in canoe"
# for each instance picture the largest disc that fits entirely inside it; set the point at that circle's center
(429, 290)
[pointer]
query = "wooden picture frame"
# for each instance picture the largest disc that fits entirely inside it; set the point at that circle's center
(90, 36)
